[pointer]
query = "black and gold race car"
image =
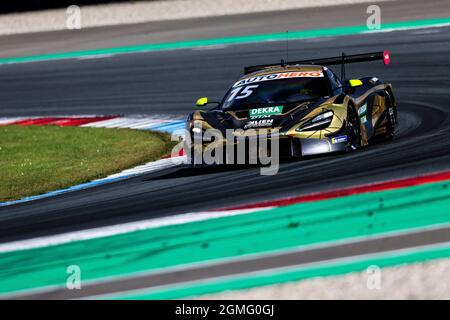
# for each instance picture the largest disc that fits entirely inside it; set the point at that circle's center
(311, 109)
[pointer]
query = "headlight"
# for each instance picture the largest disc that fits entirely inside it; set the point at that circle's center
(323, 116)
(319, 122)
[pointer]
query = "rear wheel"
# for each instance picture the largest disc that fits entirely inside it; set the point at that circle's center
(390, 117)
(353, 130)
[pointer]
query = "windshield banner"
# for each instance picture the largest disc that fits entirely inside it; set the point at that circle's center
(277, 76)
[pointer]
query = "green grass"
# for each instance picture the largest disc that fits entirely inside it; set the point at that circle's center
(38, 159)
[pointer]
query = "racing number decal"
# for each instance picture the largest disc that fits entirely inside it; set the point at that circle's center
(247, 92)
(244, 93)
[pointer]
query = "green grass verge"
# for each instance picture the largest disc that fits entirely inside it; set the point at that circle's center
(38, 159)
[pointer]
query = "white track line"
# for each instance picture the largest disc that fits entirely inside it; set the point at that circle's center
(11, 120)
(128, 122)
(149, 167)
(120, 229)
(103, 124)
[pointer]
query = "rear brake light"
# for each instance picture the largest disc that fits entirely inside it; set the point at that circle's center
(386, 58)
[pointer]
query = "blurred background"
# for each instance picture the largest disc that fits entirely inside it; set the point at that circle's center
(33, 5)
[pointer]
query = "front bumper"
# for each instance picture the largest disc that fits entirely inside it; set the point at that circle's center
(287, 147)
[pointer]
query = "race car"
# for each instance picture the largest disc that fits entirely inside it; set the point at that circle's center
(311, 109)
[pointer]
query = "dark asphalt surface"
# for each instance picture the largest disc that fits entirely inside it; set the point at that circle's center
(139, 83)
(168, 83)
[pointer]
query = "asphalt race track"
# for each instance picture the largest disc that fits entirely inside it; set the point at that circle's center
(169, 82)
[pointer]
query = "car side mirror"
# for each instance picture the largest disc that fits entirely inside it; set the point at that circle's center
(353, 83)
(202, 102)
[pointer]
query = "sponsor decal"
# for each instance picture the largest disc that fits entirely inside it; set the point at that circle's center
(265, 112)
(277, 76)
(258, 123)
(339, 139)
(363, 119)
(363, 110)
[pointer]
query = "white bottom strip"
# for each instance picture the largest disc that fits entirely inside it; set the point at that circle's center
(120, 229)
(149, 167)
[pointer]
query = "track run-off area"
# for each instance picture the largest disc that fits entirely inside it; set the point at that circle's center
(250, 245)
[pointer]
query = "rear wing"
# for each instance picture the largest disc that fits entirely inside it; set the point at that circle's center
(342, 60)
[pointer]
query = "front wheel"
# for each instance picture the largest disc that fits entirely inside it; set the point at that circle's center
(353, 130)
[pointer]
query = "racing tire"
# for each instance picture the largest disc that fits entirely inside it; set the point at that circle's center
(390, 118)
(353, 130)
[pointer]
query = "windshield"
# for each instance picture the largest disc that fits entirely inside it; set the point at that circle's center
(246, 94)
